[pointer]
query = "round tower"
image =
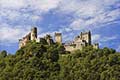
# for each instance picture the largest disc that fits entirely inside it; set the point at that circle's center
(33, 33)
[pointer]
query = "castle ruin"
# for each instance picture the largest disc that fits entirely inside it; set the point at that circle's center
(80, 41)
(32, 36)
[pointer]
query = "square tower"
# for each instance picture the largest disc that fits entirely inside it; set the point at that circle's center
(33, 33)
(86, 36)
(58, 38)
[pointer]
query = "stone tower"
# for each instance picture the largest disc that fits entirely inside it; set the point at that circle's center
(58, 38)
(33, 33)
(86, 36)
(96, 46)
(20, 43)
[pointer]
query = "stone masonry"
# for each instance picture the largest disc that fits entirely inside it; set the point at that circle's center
(80, 41)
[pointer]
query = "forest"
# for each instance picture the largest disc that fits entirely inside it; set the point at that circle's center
(40, 61)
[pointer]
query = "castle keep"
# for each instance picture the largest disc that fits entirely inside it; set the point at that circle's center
(80, 41)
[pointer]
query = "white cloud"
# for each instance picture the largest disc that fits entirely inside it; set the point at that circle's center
(96, 37)
(11, 34)
(90, 14)
(9, 14)
(68, 37)
(14, 4)
(87, 14)
(118, 49)
(43, 5)
(16, 17)
(105, 39)
(99, 38)
(14, 10)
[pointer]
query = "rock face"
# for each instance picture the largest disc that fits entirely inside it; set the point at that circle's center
(80, 41)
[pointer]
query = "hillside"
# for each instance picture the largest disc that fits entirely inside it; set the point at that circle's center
(36, 61)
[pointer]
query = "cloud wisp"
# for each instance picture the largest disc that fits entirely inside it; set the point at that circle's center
(91, 14)
(16, 18)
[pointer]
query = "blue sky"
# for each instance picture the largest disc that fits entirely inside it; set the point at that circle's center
(67, 16)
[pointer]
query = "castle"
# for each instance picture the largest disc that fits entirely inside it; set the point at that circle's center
(80, 41)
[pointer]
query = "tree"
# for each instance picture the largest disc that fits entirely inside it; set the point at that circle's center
(3, 54)
(36, 61)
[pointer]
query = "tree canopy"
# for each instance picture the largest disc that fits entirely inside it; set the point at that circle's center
(37, 61)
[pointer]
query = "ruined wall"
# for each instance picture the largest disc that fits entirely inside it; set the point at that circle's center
(73, 48)
(82, 40)
(69, 48)
(24, 40)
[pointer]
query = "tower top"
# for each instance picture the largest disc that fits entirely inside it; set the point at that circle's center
(57, 34)
(83, 33)
(33, 28)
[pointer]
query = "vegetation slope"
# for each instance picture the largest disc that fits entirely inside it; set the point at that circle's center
(39, 61)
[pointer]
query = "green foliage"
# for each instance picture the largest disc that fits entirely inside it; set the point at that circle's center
(3, 54)
(91, 64)
(37, 61)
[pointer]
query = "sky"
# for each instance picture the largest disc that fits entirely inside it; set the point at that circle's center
(70, 17)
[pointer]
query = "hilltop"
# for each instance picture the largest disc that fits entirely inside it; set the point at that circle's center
(79, 42)
(38, 61)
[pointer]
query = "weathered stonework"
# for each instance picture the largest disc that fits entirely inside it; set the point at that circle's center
(80, 41)
(24, 40)
(58, 38)
(34, 33)
(29, 37)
